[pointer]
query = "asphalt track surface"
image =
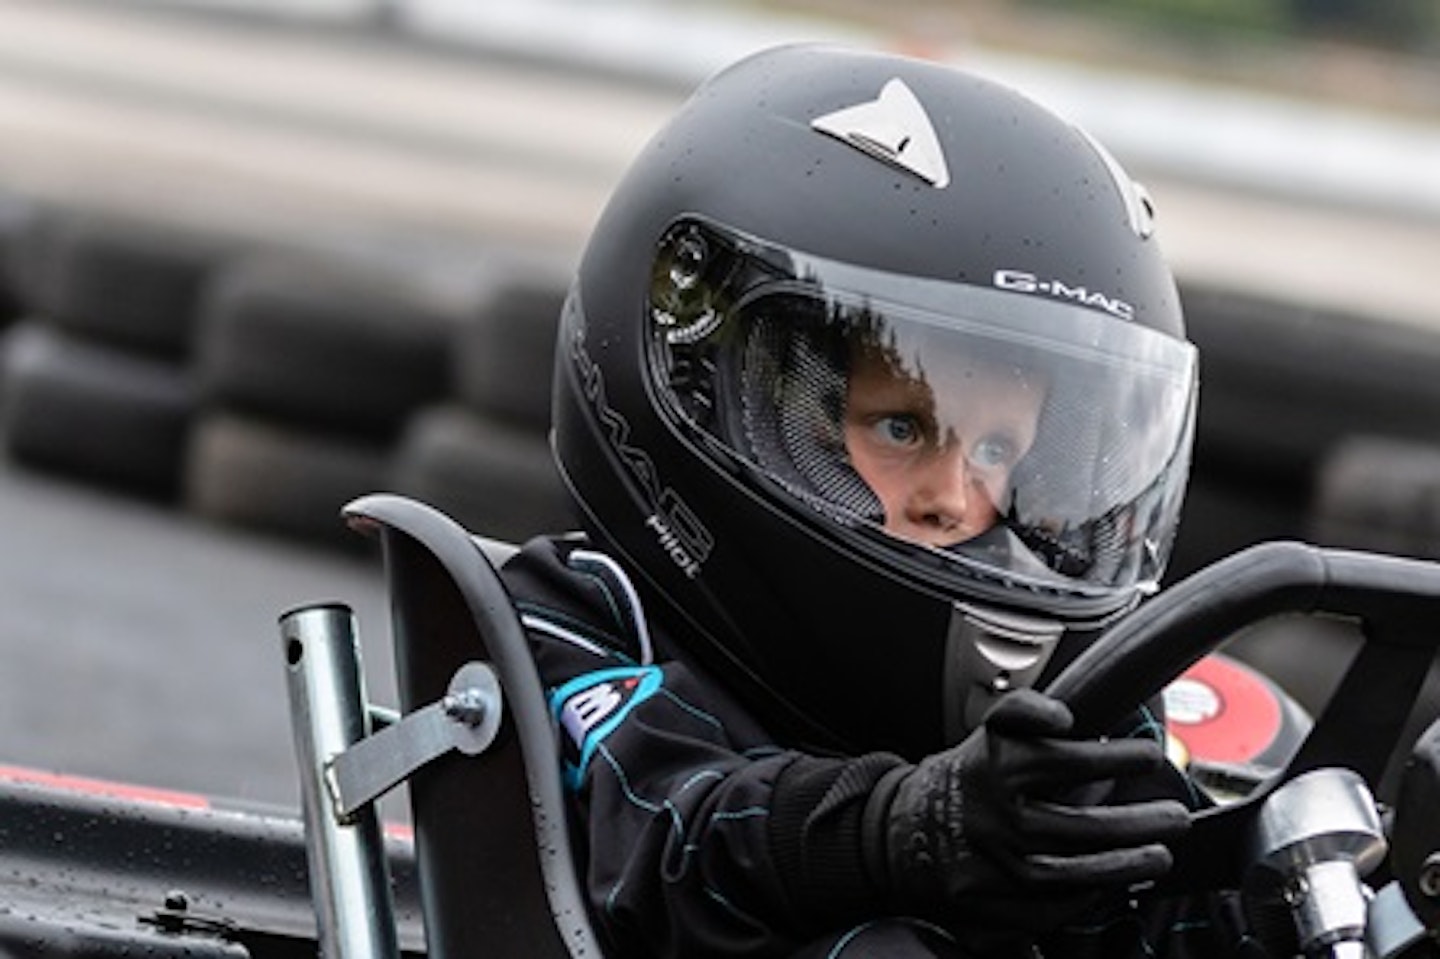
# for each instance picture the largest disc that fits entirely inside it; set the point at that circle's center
(141, 645)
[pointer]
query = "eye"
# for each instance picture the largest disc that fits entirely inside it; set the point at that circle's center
(897, 429)
(995, 451)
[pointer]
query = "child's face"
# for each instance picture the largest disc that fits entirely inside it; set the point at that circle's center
(937, 447)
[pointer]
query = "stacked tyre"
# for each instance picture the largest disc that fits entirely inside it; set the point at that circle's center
(1286, 390)
(96, 381)
(1380, 493)
(307, 368)
(483, 454)
(16, 214)
(262, 386)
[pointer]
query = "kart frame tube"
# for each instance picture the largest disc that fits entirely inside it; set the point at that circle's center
(349, 878)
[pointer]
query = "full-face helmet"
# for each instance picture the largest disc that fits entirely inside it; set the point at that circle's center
(875, 372)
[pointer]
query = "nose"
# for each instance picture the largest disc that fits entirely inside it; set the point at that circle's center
(947, 504)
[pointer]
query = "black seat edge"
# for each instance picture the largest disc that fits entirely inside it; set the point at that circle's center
(422, 546)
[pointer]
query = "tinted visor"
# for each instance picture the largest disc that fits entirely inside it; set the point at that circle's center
(1017, 434)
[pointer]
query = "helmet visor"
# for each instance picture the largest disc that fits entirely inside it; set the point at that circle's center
(1013, 432)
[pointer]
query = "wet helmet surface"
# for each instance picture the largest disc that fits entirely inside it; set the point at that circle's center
(875, 372)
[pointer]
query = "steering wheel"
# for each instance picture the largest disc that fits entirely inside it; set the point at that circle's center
(1396, 603)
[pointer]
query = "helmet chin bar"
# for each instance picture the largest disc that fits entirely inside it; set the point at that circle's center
(989, 652)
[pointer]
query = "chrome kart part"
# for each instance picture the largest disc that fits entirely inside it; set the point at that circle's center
(466, 720)
(1314, 839)
(1323, 815)
(349, 876)
(1392, 928)
(345, 768)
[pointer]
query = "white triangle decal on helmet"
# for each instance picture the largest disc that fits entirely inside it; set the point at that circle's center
(894, 128)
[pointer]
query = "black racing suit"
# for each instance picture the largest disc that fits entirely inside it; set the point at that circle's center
(701, 836)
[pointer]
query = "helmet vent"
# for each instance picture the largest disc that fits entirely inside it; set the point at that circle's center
(893, 128)
(1139, 207)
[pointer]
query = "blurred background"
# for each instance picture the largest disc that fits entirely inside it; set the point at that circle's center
(259, 257)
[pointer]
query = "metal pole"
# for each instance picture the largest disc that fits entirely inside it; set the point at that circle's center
(349, 877)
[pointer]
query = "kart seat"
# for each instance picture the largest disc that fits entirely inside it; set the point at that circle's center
(495, 869)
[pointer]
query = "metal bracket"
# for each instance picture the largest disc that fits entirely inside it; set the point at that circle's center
(467, 720)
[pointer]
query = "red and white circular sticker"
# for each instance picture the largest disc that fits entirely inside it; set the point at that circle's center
(1222, 711)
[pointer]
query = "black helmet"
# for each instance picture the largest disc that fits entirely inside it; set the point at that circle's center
(830, 272)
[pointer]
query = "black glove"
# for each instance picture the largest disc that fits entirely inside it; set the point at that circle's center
(990, 832)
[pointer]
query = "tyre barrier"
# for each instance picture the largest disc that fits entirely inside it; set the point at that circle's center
(1223, 514)
(1382, 494)
(153, 332)
(321, 345)
(262, 386)
(1283, 383)
(133, 284)
(16, 216)
(92, 412)
(505, 350)
(279, 479)
(493, 477)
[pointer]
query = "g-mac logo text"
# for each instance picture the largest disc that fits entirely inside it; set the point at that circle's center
(590, 707)
(1018, 281)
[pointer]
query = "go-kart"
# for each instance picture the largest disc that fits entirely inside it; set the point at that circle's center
(1336, 845)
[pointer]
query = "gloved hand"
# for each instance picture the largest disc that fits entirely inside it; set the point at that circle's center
(991, 832)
